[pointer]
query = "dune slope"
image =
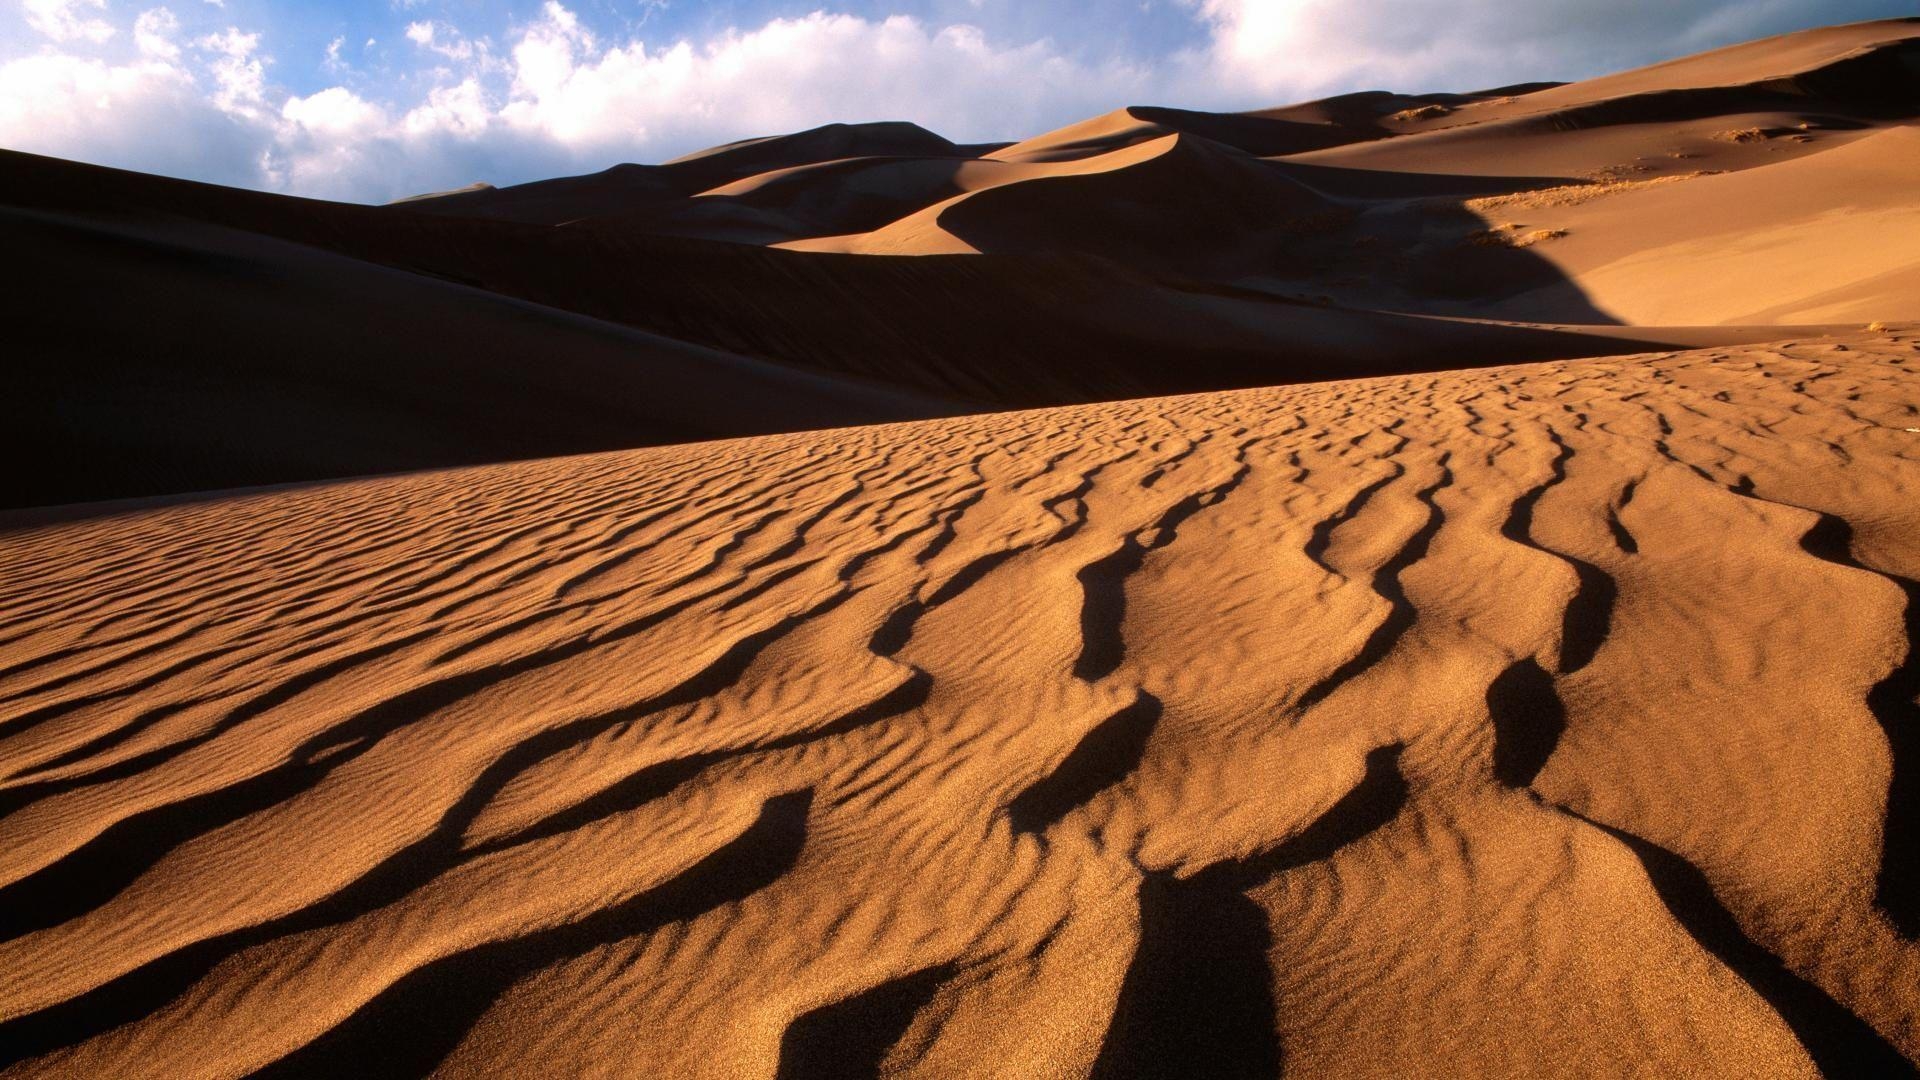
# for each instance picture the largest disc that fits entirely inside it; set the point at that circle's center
(231, 358)
(1535, 720)
(263, 339)
(1830, 237)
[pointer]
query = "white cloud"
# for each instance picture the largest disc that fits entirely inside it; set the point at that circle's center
(564, 100)
(449, 43)
(567, 101)
(59, 20)
(1265, 52)
(555, 97)
(793, 73)
(153, 34)
(460, 110)
(239, 76)
(148, 114)
(64, 93)
(335, 111)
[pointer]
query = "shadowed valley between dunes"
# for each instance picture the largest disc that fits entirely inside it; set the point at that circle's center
(876, 272)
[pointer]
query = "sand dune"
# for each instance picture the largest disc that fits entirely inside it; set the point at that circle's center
(619, 189)
(228, 362)
(1368, 200)
(1858, 59)
(1826, 238)
(1134, 205)
(445, 340)
(1263, 135)
(1386, 586)
(1549, 719)
(879, 272)
(880, 189)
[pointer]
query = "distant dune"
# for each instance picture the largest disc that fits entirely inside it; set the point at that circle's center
(1388, 586)
(1721, 199)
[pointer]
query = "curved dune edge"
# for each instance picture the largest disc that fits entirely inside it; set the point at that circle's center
(921, 232)
(1528, 720)
(1135, 204)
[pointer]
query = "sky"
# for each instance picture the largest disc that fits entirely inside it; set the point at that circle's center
(371, 100)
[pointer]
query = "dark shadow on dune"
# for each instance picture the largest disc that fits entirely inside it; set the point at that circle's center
(1103, 583)
(837, 198)
(1340, 182)
(1104, 757)
(1204, 211)
(1198, 999)
(1840, 1043)
(1420, 249)
(847, 1039)
(1589, 613)
(1877, 81)
(1262, 136)
(410, 1028)
(1527, 722)
(1386, 583)
(1895, 704)
(234, 359)
(223, 374)
(1103, 609)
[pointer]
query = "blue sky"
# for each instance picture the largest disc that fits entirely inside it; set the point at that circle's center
(369, 100)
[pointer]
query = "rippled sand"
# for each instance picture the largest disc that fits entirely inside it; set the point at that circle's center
(1525, 721)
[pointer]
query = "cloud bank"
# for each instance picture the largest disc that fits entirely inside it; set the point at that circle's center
(549, 94)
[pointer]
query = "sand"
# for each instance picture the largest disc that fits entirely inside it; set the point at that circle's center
(1387, 586)
(1548, 719)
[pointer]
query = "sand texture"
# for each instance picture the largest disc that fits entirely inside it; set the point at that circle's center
(1543, 720)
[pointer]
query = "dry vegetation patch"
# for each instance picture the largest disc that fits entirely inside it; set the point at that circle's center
(1511, 236)
(1573, 194)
